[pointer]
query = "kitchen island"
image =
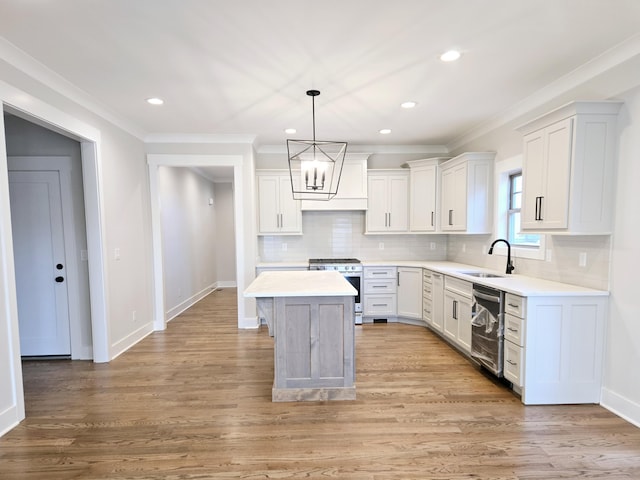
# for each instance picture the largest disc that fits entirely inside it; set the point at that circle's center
(311, 317)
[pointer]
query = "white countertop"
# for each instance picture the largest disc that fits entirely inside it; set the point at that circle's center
(316, 283)
(521, 285)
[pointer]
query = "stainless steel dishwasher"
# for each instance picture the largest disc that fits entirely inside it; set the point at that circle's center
(487, 327)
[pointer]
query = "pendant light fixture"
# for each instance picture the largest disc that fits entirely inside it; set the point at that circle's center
(315, 166)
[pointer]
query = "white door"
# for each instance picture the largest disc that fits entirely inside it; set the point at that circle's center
(38, 242)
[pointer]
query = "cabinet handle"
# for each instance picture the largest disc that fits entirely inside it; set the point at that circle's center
(380, 304)
(513, 306)
(512, 329)
(378, 273)
(450, 217)
(432, 218)
(455, 309)
(378, 286)
(539, 208)
(512, 363)
(398, 278)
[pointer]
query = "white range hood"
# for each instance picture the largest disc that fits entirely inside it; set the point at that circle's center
(352, 192)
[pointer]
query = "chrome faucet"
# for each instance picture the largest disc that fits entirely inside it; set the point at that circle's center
(510, 267)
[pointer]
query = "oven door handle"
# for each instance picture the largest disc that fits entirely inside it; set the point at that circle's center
(485, 296)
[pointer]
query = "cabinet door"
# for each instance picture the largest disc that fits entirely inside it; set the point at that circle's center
(377, 212)
(546, 173)
(453, 216)
(398, 201)
(555, 204)
(290, 212)
(422, 200)
(410, 292)
(268, 209)
(437, 301)
(450, 316)
(463, 312)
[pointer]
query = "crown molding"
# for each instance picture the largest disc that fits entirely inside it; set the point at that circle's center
(28, 65)
(199, 138)
(370, 149)
(556, 93)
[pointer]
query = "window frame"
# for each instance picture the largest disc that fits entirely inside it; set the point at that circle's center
(503, 171)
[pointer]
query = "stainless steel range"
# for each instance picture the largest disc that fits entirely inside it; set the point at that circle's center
(351, 270)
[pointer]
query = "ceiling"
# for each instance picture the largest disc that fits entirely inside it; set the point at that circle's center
(243, 67)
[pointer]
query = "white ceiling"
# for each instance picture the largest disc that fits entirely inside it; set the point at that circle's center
(242, 67)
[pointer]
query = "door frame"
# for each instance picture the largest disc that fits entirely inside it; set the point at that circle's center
(20, 103)
(190, 160)
(63, 165)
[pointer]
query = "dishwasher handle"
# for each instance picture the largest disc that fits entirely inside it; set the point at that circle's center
(486, 296)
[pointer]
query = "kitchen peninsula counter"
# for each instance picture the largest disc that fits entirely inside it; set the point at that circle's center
(311, 317)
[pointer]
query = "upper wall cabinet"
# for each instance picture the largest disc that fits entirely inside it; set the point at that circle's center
(466, 194)
(423, 195)
(388, 205)
(352, 190)
(568, 169)
(278, 212)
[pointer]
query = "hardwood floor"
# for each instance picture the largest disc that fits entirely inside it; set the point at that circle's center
(194, 402)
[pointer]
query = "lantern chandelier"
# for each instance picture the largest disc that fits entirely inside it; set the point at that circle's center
(315, 166)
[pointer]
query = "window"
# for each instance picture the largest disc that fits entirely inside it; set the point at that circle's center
(515, 236)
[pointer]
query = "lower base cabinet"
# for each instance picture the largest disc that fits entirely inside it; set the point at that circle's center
(457, 312)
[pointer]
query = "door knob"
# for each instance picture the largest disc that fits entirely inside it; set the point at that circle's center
(59, 279)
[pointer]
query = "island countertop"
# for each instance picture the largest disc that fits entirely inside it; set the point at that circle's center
(314, 283)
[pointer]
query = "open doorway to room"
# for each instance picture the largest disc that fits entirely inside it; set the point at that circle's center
(50, 241)
(198, 234)
(214, 166)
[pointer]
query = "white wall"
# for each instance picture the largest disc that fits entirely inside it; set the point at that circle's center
(621, 391)
(188, 237)
(225, 235)
(124, 218)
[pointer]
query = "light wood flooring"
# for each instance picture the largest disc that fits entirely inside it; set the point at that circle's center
(194, 402)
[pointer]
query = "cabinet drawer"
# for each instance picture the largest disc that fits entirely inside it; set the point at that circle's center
(456, 285)
(426, 276)
(427, 289)
(514, 329)
(513, 363)
(380, 272)
(426, 309)
(380, 286)
(379, 305)
(515, 305)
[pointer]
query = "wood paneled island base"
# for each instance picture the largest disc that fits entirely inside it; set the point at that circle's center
(313, 334)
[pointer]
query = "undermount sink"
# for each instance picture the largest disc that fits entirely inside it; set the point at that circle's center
(482, 274)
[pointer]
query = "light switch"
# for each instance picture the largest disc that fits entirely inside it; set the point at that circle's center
(116, 254)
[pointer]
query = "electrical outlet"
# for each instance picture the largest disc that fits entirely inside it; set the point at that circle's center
(432, 245)
(549, 255)
(133, 316)
(116, 254)
(582, 259)
(84, 255)
(284, 247)
(381, 246)
(464, 248)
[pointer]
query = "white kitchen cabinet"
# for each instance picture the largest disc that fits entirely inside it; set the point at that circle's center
(352, 190)
(388, 202)
(437, 301)
(380, 293)
(466, 193)
(553, 348)
(457, 314)
(410, 292)
(427, 295)
(278, 212)
(568, 169)
(423, 195)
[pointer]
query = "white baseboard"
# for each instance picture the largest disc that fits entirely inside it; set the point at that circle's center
(130, 340)
(226, 284)
(621, 406)
(250, 323)
(189, 302)
(9, 419)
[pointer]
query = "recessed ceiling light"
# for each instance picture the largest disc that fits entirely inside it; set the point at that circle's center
(408, 104)
(155, 101)
(450, 56)
(290, 130)
(385, 131)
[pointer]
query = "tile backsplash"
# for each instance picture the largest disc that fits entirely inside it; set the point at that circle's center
(341, 234)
